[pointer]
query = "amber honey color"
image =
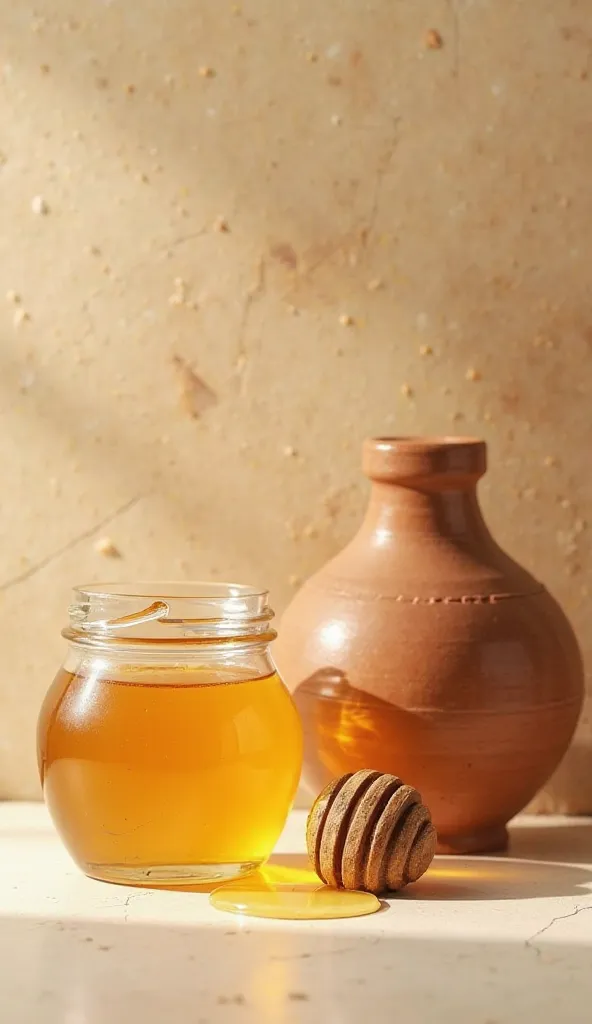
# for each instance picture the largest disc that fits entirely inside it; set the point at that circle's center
(280, 891)
(171, 775)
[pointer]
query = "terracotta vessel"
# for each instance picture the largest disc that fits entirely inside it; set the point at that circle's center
(424, 650)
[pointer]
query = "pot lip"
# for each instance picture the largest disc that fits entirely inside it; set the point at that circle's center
(429, 442)
(411, 458)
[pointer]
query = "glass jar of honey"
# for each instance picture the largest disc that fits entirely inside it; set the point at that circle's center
(169, 748)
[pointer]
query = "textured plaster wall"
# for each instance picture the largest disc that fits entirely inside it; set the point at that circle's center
(235, 239)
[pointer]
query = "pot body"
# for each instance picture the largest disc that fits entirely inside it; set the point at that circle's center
(423, 650)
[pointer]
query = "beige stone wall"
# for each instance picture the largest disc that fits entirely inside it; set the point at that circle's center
(234, 240)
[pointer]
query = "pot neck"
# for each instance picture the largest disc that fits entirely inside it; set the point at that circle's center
(452, 513)
(423, 535)
(426, 486)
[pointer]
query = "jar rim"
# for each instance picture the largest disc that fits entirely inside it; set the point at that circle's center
(192, 590)
(169, 612)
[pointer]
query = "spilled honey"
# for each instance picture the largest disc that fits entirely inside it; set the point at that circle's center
(286, 892)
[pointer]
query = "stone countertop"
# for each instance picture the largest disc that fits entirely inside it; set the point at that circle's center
(476, 941)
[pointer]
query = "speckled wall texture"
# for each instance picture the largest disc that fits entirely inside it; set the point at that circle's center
(237, 238)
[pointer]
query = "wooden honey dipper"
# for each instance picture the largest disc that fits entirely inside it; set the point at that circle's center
(370, 831)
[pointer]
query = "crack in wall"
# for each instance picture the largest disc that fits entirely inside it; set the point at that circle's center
(452, 7)
(22, 577)
(164, 249)
(382, 170)
(252, 293)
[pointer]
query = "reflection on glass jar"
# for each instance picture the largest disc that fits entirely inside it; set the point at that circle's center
(169, 748)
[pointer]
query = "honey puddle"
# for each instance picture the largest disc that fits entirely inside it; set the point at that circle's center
(291, 893)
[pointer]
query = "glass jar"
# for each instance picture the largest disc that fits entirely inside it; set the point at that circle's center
(169, 749)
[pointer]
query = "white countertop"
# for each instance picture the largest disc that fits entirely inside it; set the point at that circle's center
(477, 941)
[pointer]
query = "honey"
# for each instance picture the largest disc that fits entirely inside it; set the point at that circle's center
(288, 893)
(347, 730)
(168, 775)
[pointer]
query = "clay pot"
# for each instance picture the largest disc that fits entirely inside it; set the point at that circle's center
(425, 651)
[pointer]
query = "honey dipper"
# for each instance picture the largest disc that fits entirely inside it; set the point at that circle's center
(370, 831)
